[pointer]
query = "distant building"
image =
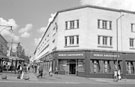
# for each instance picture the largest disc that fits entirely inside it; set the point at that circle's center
(3, 46)
(89, 41)
(3, 51)
(19, 50)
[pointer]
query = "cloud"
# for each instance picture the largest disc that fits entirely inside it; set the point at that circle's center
(42, 30)
(25, 35)
(118, 4)
(16, 38)
(9, 22)
(27, 28)
(37, 40)
(9, 36)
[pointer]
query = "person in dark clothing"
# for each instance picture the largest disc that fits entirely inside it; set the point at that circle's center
(40, 70)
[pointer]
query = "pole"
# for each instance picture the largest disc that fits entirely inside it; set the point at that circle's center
(117, 43)
(117, 32)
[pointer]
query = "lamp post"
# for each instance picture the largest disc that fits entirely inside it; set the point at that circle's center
(117, 38)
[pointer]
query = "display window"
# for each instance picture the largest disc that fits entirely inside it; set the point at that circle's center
(130, 67)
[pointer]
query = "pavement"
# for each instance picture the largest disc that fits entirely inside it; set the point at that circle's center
(12, 77)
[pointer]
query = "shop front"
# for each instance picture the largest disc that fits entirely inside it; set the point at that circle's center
(129, 65)
(90, 63)
(71, 63)
(103, 64)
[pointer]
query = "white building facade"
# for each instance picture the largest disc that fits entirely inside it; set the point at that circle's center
(90, 41)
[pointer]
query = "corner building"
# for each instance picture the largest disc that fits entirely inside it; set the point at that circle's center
(89, 41)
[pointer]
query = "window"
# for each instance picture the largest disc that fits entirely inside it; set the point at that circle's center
(104, 40)
(73, 24)
(72, 40)
(131, 42)
(104, 24)
(132, 27)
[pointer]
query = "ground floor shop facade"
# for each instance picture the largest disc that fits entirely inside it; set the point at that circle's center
(90, 63)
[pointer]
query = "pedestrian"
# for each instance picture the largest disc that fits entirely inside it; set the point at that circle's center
(40, 71)
(119, 75)
(115, 75)
(23, 71)
(56, 71)
(19, 69)
(50, 71)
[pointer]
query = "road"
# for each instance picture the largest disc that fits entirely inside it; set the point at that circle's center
(59, 84)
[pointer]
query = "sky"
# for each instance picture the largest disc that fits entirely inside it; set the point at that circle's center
(29, 18)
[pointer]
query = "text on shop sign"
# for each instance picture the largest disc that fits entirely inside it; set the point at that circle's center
(106, 55)
(70, 55)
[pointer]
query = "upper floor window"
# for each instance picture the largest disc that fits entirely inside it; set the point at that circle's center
(132, 42)
(132, 27)
(104, 40)
(73, 24)
(72, 40)
(104, 24)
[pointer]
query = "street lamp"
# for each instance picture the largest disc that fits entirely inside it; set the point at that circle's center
(117, 32)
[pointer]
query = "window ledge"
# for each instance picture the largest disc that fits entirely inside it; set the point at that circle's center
(132, 48)
(71, 46)
(105, 46)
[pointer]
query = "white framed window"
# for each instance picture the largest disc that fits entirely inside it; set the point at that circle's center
(72, 24)
(132, 27)
(132, 42)
(104, 40)
(104, 24)
(72, 40)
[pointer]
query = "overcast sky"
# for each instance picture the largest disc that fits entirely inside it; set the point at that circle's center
(29, 18)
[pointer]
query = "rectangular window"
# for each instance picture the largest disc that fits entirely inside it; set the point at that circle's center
(132, 27)
(72, 40)
(131, 41)
(73, 24)
(65, 41)
(77, 37)
(98, 39)
(104, 40)
(110, 41)
(104, 24)
(66, 24)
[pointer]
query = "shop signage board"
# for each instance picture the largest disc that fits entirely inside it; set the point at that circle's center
(70, 55)
(103, 55)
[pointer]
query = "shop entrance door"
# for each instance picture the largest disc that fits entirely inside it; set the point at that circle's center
(72, 67)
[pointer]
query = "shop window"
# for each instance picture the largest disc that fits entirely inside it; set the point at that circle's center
(80, 66)
(101, 66)
(96, 66)
(106, 67)
(62, 64)
(130, 67)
